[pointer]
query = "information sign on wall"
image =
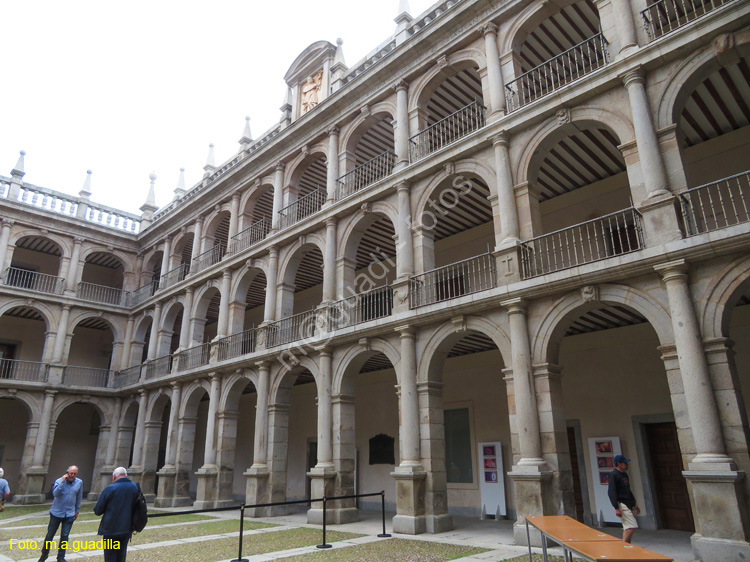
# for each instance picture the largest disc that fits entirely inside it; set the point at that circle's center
(491, 484)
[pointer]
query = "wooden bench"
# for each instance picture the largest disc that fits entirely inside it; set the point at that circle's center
(585, 542)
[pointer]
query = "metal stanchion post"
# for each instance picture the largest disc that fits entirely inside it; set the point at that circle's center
(383, 535)
(325, 544)
(242, 530)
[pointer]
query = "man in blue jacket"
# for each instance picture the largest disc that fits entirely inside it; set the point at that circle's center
(67, 492)
(116, 503)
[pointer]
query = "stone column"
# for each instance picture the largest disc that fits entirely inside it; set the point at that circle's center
(36, 473)
(183, 461)
(721, 514)
(401, 140)
(166, 250)
(269, 309)
(344, 452)
(432, 430)
(226, 449)
(494, 72)
(278, 445)
(332, 171)
(168, 472)
(185, 324)
(153, 341)
(409, 475)
(256, 487)
(278, 194)
(405, 244)
(206, 493)
(127, 344)
(506, 197)
(62, 335)
(197, 240)
(329, 262)
(72, 274)
(7, 225)
(105, 474)
(223, 322)
(323, 474)
(234, 215)
(136, 469)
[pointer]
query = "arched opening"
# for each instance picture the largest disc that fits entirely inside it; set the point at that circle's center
(256, 219)
(370, 155)
(713, 129)
(235, 440)
(150, 278)
(365, 409)
(579, 201)
(555, 48)
(139, 348)
(76, 442)
(91, 353)
(369, 269)
(205, 322)
(475, 431)
(610, 345)
(102, 278)
(292, 425)
(14, 417)
(126, 440)
(307, 192)
(192, 447)
(179, 261)
(23, 344)
(35, 265)
(456, 223)
(453, 108)
(155, 443)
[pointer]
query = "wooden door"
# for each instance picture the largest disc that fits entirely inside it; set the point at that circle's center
(576, 473)
(670, 488)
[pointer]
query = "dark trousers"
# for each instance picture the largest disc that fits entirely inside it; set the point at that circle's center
(54, 523)
(116, 554)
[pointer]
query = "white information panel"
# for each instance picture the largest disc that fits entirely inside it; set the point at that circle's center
(491, 483)
(602, 451)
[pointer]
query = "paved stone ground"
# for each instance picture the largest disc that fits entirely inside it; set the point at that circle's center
(496, 536)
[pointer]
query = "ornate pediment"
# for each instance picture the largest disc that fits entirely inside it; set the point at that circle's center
(307, 76)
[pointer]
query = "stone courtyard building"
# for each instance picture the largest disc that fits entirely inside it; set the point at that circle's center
(508, 244)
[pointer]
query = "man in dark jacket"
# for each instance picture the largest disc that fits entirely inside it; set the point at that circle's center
(622, 497)
(116, 504)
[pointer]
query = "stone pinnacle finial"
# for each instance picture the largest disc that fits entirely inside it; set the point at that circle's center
(150, 205)
(403, 7)
(179, 191)
(338, 58)
(86, 190)
(18, 171)
(247, 136)
(210, 166)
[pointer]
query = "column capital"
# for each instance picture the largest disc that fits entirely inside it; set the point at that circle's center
(324, 351)
(673, 270)
(167, 239)
(66, 308)
(77, 240)
(333, 130)
(50, 393)
(7, 222)
(403, 186)
(214, 377)
(236, 196)
(273, 251)
(401, 85)
(406, 331)
(189, 290)
(199, 219)
(634, 76)
(280, 166)
(489, 28)
(226, 272)
(157, 305)
(175, 385)
(143, 393)
(331, 222)
(265, 364)
(515, 306)
(502, 139)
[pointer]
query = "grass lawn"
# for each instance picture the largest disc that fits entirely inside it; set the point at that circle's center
(402, 550)
(223, 549)
(156, 534)
(90, 516)
(537, 558)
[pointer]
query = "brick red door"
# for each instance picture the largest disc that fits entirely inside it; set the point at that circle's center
(670, 489)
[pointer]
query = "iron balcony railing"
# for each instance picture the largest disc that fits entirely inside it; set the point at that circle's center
(464, 277)
(87, 376)
(298, 327)
(611, 235)
(368, 173)
(363, 307)
(237, 345)
(250, 236)
(159, 367)
(174, 276)
(664, 16)
(101, 293)
(716, 205)
(128, 376)
(302, 208)
(33, 280)
(31, 371)
(208, 258)
(194, 357)
(448, 130)
(143, 293)
(567, 67)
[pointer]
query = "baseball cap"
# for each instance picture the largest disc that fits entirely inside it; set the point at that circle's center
(620, 458)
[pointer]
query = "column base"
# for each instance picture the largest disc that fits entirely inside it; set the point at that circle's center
(660, 222)
(705, 548)
(256, 491)
(410, 491)
(28, 499)
(322, 484)
(206, 492)
(439, 523)
(32, 486)
(530, 484)
(508, 263)
(165, 493)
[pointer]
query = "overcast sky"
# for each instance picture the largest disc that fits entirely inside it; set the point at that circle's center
(125, 89)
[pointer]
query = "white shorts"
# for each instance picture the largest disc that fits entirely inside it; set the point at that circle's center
(628, 519)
